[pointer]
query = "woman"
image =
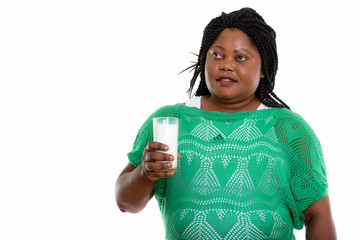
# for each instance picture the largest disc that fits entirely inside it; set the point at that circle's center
(248, 167)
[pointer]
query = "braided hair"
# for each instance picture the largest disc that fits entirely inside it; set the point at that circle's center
(250, 22)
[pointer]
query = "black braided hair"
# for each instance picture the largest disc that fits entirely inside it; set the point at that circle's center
(250, 22)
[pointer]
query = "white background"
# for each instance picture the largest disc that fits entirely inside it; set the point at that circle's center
(78, 78)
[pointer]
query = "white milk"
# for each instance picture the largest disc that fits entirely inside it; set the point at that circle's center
(167, 133)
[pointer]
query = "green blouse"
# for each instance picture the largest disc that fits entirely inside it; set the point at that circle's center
(242, 175)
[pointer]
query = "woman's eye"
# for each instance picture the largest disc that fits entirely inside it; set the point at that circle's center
(216, 55)
(241, 58)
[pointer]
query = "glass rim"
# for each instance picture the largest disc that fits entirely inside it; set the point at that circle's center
(166, 120)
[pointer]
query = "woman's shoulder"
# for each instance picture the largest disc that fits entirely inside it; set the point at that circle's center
(293, 121)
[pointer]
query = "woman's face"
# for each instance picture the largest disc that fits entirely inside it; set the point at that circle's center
(233, 67)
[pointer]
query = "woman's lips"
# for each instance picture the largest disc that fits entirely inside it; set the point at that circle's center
(225, 81)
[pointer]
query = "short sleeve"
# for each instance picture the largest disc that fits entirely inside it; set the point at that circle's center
(308, 177)
(143, 137)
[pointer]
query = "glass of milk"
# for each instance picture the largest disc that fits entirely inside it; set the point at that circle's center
(166, 131)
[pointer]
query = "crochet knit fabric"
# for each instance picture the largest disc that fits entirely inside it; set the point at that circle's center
(242, 175)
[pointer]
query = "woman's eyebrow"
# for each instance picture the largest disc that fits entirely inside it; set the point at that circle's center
(217, 46)
(243, 50)
(236, 50)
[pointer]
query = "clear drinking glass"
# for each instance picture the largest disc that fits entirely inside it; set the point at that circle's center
(166, 131)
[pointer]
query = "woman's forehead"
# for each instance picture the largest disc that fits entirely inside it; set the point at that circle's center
(232, 37)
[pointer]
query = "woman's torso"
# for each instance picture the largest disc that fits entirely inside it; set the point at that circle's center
(230, 180)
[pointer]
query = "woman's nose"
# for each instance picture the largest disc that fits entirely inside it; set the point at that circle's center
(226, 65)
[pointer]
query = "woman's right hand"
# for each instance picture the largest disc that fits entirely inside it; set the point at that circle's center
(154, 163)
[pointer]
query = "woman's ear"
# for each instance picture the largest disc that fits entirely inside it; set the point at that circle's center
(262, 75)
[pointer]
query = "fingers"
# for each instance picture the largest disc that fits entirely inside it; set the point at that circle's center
(156, 146)
(157, 156)
(157, 169)
(155, 175)
(157, 164)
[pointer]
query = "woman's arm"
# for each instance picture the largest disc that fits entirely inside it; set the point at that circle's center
(135, 185)
(318, 220)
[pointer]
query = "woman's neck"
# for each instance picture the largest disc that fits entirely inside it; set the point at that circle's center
(211, 103)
